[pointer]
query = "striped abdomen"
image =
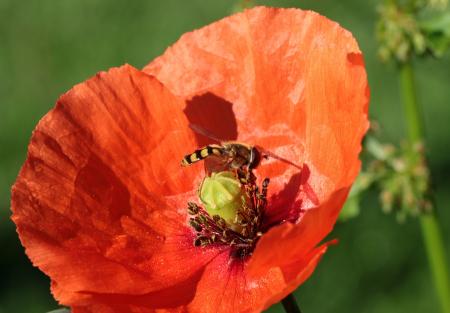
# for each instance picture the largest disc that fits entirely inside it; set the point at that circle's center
(201, 154)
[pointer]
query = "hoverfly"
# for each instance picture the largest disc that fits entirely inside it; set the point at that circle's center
(233, 154)
(228, 155)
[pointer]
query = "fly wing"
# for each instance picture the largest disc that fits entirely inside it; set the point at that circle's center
(215, 164)
(204, 132)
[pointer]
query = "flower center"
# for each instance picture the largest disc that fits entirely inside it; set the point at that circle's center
(232, 212)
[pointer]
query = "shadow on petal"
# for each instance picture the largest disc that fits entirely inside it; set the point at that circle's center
(97, 180)
(177, 296)
(286, 205)
(213, 115)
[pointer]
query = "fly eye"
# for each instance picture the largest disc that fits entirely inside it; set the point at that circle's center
(254, 159)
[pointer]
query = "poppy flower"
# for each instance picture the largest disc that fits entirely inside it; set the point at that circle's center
(101, 201)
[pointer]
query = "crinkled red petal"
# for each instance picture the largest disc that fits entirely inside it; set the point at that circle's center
(100, 201)
(225, 286)
(297, 86)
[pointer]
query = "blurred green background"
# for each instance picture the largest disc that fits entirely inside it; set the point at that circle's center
(47, 46)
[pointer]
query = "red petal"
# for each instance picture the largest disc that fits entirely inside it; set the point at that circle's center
(288, 242)
(296, 82)
(298, 87)
(225, 287)
(100, 201)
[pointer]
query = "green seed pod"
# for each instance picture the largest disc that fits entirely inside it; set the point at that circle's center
(222, 195)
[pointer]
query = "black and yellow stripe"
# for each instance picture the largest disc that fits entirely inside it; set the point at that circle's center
(201, 154)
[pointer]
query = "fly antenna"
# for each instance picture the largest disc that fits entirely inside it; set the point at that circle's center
(265, 154)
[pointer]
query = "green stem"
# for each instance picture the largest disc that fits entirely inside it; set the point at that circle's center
(290, 305)
(413, 113)
(436, 256)
(431, 231)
